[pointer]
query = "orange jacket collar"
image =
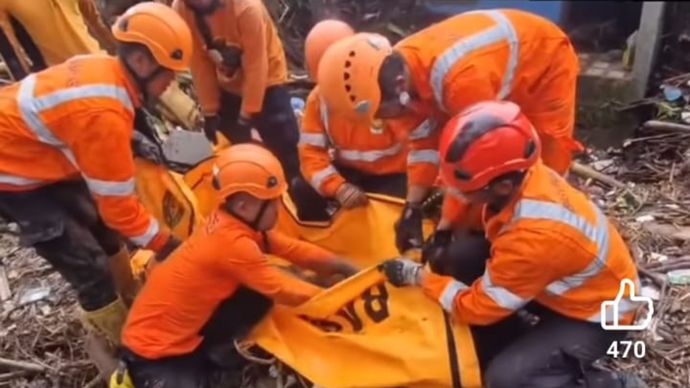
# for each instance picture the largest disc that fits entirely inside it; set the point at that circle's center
(128, 82)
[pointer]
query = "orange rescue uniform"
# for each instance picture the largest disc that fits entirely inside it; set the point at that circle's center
(247, 25)
(75, 121)
(498, 54)
(551, 244)
(184, 291)
(373, 151)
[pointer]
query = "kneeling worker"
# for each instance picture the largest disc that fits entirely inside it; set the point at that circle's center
(66, 167)
(219, 282)
(368, 156)
(550, 250)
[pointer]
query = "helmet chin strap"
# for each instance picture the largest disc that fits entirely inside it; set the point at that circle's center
(254, 224)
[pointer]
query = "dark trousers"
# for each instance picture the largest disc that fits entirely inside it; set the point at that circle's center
(556, 352)
(277, 125)
(62, 223)
(233, 319)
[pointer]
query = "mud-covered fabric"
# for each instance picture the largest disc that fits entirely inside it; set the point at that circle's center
(62, 223)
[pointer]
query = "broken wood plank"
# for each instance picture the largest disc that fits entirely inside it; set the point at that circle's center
(5, 291)
(666, 126)
(22, 365)
(668, 230)
(588, 172)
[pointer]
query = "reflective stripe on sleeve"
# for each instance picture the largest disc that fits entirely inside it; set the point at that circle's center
(423, 156)
(448, 295)
(145, 238)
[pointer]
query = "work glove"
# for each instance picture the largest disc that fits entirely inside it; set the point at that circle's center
(350, 196)
(435, 246)
(242, 129)
(168, 248)
(408, 229)
(144, 148)
(211, 124)
(402, 272)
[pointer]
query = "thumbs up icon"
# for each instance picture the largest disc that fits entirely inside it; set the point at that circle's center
(621, 305)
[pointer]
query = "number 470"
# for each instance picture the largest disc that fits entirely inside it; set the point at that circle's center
(621, 349)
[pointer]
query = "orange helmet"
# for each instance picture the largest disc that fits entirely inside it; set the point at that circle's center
(349, 74)
(320, 37)
(484, 141)
(248, 168)
(160, 29)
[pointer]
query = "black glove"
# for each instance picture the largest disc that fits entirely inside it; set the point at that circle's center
(242, 131)
(434, 248)
(168, 248)
(210, 127)
(408, 229)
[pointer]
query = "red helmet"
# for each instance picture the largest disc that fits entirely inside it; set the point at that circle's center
(484, 141)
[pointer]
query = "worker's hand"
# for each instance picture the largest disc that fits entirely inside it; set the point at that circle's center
(144, 148)
(168, 248)
(408, 229)
(435, 246)
(211, 124)
(402, 272)
(350, 196)
(243, 128)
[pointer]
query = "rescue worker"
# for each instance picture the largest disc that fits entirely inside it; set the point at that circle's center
(52, 31)
(368, 156)
(239, 72)
(219, 283)
(66, 168)
(549, 249)
(438, 71)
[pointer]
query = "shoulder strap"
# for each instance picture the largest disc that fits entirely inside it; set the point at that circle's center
(203, 27)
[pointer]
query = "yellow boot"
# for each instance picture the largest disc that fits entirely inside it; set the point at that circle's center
(104, 327)
(121, 271)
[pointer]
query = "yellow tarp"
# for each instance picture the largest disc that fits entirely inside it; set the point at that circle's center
(360, 333)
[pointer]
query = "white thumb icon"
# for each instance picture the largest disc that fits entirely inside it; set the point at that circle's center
(612, 309)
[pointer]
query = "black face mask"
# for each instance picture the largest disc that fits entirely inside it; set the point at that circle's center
(207, 10)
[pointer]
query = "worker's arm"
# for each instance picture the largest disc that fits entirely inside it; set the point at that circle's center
(103, 153)
(248, 264)
(313, 150)
(204, 76)
(250, 23)
(422, 159)
(308, 255)
(521, 265)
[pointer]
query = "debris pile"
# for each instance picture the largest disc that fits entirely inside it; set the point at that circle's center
(644, 186)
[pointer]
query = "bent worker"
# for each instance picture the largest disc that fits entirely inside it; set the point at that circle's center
(239, 72)
(438, 71)
(66, 170)
(546, 243)
(219, 283)
(368, 156)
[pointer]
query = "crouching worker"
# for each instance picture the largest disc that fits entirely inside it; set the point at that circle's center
(548, 250)
(66, 168)
(367, 156)
(219, 283)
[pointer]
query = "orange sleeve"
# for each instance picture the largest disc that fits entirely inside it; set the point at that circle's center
(517, 272)
(301, 253)
(112, 181)
(468, 87)
(423, 159)
(251, 25)
(313, 150)
(204, 76)
(250, 267)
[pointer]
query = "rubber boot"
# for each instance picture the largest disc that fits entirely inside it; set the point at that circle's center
(121, 271)
(104, 327)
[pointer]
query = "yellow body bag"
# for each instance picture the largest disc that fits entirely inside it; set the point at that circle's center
(362, 332)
